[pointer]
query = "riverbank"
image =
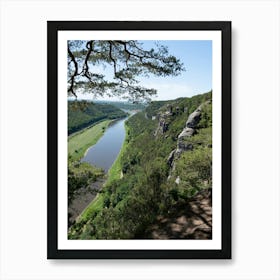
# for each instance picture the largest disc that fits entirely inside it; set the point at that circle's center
(83, 197)
(82, 191)
(84, 129)
(79, 143)
(114, 173)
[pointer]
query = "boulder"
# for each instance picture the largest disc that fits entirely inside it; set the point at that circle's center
(187, 132)
(194, 118)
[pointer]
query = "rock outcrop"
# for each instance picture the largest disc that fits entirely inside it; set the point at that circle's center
(171, 158)
(194, 118)
(164, 119)
(188, 131)
(183, 141)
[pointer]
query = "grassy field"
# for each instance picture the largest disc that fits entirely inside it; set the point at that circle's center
(80, 142)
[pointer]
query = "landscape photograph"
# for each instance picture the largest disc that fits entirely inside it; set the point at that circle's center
(139, 139)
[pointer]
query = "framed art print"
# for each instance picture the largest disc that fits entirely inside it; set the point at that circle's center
(139, 140)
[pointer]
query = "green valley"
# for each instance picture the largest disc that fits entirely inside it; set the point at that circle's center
(163, 175)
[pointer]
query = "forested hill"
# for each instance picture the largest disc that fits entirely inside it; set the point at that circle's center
(164, 186)
(124, 105)
(84, 113)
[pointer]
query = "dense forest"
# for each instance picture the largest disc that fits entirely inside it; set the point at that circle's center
(81, 114)
(165, 167)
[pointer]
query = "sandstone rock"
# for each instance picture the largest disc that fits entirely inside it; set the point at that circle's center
(163, 124)
(164, 127)
(187, 132)
(169, 108)
(183, 139)
(171, 157)
(194, 118)
(185, 146)
(178, 152)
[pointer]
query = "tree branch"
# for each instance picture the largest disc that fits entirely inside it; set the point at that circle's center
(111, 57)
(128, 60)
(86, 67)
(72, 78)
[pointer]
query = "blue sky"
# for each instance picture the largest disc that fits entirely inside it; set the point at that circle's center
(197, 59)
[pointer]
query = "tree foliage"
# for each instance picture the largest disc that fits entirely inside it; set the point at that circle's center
(80, 174)
(127, 59)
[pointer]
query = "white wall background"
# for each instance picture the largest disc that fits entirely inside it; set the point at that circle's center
(255, 139)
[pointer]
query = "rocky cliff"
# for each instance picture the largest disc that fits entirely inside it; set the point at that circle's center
(185, 138)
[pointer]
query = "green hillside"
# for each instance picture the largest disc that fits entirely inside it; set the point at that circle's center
(81, 114)
(166, 168)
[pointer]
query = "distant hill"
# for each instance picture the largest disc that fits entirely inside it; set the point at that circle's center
(84, 113)
(124, 105)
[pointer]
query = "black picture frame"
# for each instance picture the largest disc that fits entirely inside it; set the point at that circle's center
(53, 27)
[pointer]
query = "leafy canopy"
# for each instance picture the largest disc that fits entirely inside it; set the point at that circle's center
(127, 61)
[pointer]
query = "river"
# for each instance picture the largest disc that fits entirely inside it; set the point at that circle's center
(102, 154)
(105, 151)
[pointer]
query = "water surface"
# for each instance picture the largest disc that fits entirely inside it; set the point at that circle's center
(105, 151)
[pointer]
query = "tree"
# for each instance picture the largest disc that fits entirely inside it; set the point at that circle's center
(127, 60)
